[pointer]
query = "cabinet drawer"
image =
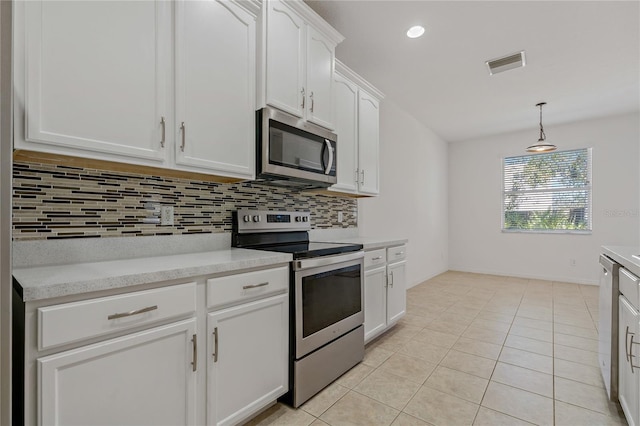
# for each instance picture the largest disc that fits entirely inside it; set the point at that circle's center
(629, 286)
(375, 258)
(246, 286)
(397, 253)
(72, 322)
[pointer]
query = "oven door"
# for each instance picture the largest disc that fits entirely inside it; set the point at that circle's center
(294, 148)
(328, 299)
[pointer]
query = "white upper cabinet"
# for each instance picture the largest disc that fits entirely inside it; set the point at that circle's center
(357, 108)
(84, 86)
(320, 66)
(215, 87)
(285, 58)
(96, 79)
(369, 146)
(346, 110)
(298, 62)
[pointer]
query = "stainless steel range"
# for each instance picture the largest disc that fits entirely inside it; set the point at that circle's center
(326, 297)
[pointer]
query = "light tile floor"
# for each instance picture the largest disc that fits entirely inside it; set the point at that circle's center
(474, 349)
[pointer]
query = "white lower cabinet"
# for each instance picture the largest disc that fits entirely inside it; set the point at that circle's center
(629, 347)
(96, 384)
(211, 351)
(396, 291)
(248, 347)
(385, 297)
(248, 359)
(375, 302)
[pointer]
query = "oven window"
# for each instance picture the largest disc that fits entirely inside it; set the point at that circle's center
(294, 148)
(330, 297)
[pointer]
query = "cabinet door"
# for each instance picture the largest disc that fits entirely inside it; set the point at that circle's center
(249, 367)
(368, 148)
(285, 59)
(89, 90)
(215, 87)
(396, 291)
(628, 381)
(320, 60)
(146, 378)
(346, 113)
(375, 302)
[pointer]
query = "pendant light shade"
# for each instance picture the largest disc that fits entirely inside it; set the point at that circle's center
(542, 145)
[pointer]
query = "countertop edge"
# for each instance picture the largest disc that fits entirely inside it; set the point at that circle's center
(34, 291)
(624, 256)
(371, 243)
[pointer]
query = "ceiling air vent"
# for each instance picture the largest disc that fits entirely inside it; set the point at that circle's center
(506, 63)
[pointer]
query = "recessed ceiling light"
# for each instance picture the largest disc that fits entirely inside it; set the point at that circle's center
(415, 32)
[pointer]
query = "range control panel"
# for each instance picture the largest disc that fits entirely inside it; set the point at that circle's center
(270, 221)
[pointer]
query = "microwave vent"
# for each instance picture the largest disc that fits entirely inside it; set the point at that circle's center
(516, 60)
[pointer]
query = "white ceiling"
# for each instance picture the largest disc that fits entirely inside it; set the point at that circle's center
(583, 59)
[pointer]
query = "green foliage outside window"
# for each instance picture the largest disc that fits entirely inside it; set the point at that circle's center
(548, 191)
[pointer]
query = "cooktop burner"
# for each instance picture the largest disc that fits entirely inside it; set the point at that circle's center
(305, 250)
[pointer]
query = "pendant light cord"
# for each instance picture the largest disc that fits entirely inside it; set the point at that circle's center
(543, 137)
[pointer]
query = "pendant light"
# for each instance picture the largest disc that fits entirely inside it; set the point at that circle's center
(541, 145)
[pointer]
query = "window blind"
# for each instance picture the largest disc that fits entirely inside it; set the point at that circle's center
(547, 192)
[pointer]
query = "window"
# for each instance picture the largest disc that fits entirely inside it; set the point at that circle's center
(547, 192)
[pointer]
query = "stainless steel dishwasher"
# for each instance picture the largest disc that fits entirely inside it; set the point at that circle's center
(608, 325)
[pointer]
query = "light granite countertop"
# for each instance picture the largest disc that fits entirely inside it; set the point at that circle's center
(49, 281)
(368, 243)
(625, 257)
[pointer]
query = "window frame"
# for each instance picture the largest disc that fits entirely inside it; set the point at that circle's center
(589, 203)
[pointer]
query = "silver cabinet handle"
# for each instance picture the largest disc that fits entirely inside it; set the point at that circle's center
(194, 363)
(328, 169)
(184, 131)
(631, 356)
(215, 344)
(163, 124)
(626, 343)
(362, 174)
(303, 96)
(376, 258)
(400, 253)
(134, 312)
(357, 173)
(247, 287)
(311, 97)
(391, 279)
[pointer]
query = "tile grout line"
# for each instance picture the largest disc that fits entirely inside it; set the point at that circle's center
(498, 360)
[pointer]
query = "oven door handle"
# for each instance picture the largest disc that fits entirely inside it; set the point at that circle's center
(328, 260)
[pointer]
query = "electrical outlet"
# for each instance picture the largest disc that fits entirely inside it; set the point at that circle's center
(340, 217)
(572, 262)
(166, 215)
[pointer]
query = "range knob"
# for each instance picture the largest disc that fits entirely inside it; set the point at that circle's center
(305, 218)
(256, 218)
(298, 218)
(246, 218)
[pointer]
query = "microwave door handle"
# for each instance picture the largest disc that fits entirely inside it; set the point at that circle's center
(328, 169)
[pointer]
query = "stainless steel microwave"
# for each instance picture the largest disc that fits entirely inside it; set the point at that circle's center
(293, 152)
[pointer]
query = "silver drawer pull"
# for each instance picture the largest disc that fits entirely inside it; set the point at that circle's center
(134, 312)
(247, 287)
(631, 356)
(376, 258)
(215, 344)
(194, 361)
(626, 344)
(400, 253)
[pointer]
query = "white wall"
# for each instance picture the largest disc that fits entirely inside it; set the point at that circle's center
(476, 242)
(413, 193)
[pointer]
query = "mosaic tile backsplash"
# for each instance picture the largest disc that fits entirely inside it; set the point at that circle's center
(54, 201)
